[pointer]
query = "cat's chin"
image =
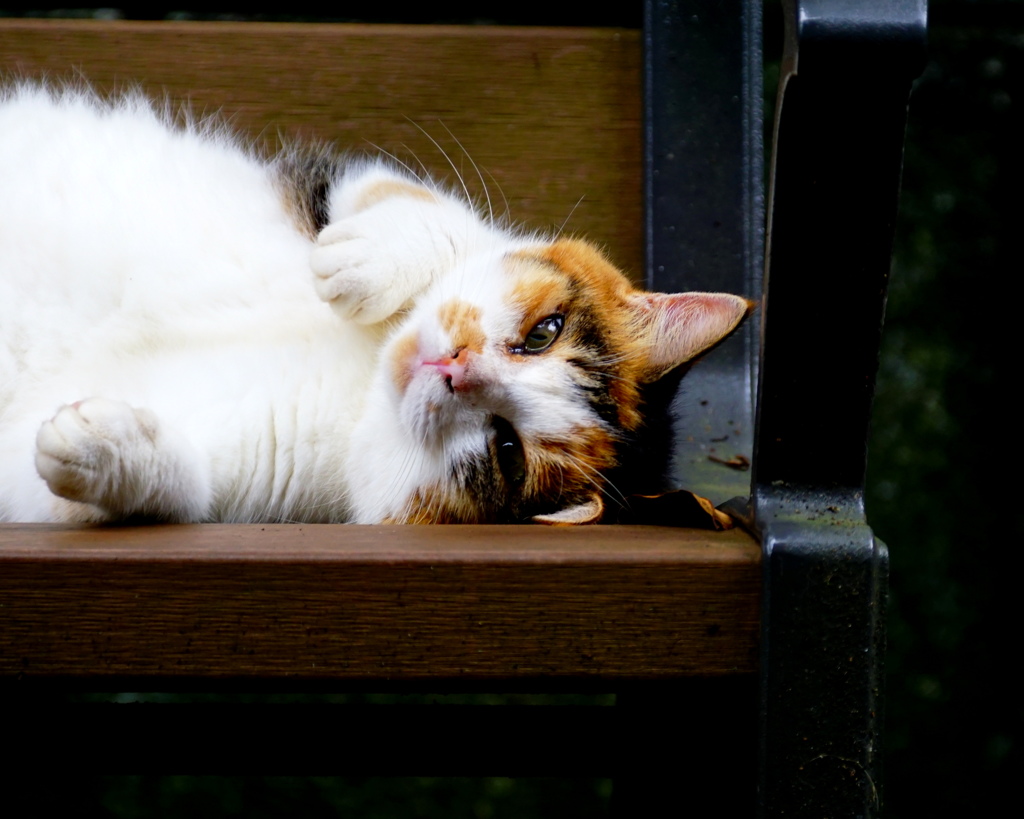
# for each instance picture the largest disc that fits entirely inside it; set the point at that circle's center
(432, 411)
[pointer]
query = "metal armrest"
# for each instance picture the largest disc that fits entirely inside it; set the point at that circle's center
(838, 153)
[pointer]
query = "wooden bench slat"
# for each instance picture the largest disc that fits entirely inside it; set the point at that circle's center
(357, 603)
(551, 116)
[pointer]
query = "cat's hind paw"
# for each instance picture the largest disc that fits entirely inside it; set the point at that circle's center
(111, 455)
(80, 452)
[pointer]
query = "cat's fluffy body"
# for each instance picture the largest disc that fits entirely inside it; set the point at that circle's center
(182, 337)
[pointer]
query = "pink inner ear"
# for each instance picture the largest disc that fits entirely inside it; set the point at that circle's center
(678, 327)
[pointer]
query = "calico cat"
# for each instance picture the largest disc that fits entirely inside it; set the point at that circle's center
(191, 331)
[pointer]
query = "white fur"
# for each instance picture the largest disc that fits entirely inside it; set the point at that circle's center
(171, 344)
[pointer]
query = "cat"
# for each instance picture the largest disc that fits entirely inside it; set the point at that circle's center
(192, 331)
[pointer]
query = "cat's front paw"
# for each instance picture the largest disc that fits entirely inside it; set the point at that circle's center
(110, 454)
(356, 271)
(375, 262)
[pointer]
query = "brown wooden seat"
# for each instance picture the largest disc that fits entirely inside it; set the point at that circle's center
(358, 604)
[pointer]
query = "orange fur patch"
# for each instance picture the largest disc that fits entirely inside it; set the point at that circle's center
(587, 264)
(389, 188)
(403, 355)
(461, 321)
(433, 504)
(539, 289)
(572, 468)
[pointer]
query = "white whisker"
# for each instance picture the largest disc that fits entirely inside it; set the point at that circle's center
(483, 184)
(394, 158)
(508, 209)
(444, 153)
(603, 485)
(425, 175)
(565, 221)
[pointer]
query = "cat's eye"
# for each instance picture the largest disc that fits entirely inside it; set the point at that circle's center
(509, 451)
(543, 334)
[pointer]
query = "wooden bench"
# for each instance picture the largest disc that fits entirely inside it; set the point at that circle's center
(557, 119)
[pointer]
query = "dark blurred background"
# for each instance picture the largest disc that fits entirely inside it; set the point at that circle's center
(942, 439)
(941, 445)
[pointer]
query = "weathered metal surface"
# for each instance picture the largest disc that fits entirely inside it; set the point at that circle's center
(705, 212)
(838, 151)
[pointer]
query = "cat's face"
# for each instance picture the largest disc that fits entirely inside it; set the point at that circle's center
(520, 378)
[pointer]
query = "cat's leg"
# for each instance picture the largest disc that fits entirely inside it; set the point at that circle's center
(389, 238)
(122, 460)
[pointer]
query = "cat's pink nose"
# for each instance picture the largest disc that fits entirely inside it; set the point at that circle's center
(453, 368)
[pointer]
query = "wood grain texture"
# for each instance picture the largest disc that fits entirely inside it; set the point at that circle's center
(551, 116)
(364, 602)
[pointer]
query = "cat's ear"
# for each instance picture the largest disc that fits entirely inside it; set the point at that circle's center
(674, 328)
(590, 511)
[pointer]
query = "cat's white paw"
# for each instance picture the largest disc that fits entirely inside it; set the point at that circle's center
(87, 451)
(108, 454)
(374, 263)
(358, 273)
